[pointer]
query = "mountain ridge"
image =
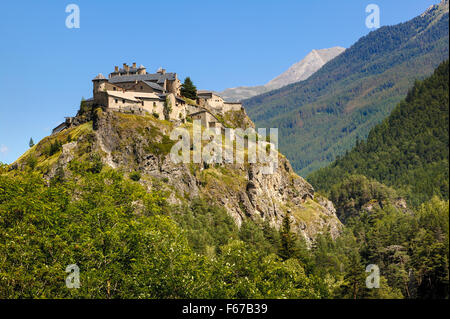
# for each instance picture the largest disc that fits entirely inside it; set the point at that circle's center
(299, 71)
(306, 67)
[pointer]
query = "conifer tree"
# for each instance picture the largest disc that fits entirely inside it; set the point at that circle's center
(288, 239)
(188, 89)
(31, 143)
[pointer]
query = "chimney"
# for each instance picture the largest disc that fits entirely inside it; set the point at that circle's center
(134, 65)
(163, 71)
(125, 67)
(116, 69)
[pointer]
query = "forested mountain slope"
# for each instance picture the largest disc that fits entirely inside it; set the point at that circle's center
(321, 117)
(407, 151)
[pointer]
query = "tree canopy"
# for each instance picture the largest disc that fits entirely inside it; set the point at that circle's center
(188, 89)
(408, 151)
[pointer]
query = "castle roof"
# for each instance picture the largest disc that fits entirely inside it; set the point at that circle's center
(155, 77)
(209, 93)
(154, 85)
(130, 70)
(99, 77)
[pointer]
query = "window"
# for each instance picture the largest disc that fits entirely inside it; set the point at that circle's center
(114, 88)
(123, 101)
(116, 101)
(142, 87)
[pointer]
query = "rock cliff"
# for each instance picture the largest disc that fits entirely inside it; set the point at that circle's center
(136, 143)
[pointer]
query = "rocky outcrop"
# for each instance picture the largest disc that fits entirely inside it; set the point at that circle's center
(242, 189)
(141, 143)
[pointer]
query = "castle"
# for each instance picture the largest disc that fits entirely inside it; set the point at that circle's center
(131, 89)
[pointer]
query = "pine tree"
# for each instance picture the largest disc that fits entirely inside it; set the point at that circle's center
(288, 239)
(188, 89)
(31, 142)
(354, 277)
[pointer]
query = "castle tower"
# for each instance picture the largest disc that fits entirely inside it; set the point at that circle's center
(99, 84)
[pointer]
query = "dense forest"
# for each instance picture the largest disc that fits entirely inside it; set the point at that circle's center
(130, 243)
(406, 156)
(322, 117)
(409, 150)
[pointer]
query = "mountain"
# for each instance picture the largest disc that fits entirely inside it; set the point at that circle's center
(408, 151)
(322, 117)
(302, 70)
(297, 72)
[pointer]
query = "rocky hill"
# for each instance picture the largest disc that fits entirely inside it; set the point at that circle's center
(140, 144)
(299, 71)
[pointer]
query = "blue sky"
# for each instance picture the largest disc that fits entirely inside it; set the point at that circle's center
(47, 68)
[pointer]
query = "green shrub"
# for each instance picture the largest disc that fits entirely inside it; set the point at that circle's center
(135, 176)
(53, 148)
(32, 161)
(96, 164)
